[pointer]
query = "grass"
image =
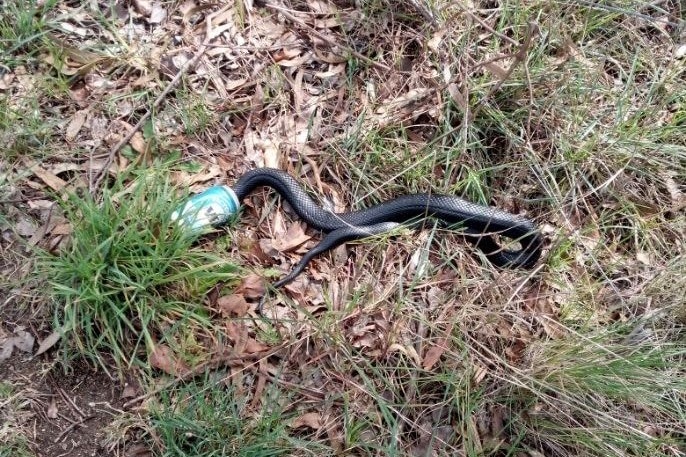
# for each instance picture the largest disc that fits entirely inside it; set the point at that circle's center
(411, 344)
(15, 416)
(129, 278)
(204, 417)
(22, 25)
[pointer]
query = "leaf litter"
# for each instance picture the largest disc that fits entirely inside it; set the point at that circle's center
(305, 53)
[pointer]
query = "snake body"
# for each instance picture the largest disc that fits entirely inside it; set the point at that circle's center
(478, 222)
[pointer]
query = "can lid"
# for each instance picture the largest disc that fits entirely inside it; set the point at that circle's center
(234, 199)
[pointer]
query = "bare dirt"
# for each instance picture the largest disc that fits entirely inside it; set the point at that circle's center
(65, 414)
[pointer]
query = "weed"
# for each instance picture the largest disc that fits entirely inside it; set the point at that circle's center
(129, 277)
(205, 418)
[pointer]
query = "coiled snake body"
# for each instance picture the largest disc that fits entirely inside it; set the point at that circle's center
(478, 222)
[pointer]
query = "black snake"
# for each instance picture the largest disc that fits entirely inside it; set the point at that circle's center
(478, 222)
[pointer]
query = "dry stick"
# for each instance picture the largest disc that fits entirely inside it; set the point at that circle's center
(325, 38)
(71, 403)
(113, 152)
(72, 427)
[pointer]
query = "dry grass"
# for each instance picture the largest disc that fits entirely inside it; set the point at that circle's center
(569, 113)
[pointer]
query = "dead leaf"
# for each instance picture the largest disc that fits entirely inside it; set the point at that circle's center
(233, 305)
(271, 153)
(643, 257)
(251, 287)
(407, 350)
(496, 70)
(435, 41)
(53, 181)
(49, 342)
(7, 347)
(23, 340)
(51, 412)
(163, 358)
(237, 333)
(267, 247)
(457, 96)
(25, 227)
(144, 7)
(75, 125)
(311, 420)
(138, 142)
(294, 237)
(158, 14)
(434, 354)
(61, 229)
(129, 391)
(253, 346)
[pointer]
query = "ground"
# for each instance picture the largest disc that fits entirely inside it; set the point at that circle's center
(122, 336)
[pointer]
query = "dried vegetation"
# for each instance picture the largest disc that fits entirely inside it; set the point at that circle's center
(570, 113)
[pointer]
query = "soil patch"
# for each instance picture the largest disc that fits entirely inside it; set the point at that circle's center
(67, 413)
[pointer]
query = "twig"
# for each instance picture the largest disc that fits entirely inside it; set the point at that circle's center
(71, 427)
(71, 403)
(172, 84)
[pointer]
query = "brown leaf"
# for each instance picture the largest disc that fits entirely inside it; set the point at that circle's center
(138, 142)
(52, 409)
(75, 125)
(311, 420)
(163, 358)
(61, 229)
(49, 342)
(294, 237)
(238, 334)
(251, 287)
(434, 354)
(128, 392)
(252, 346)
(496, 70)
(233, 305)
(267, 247)
(53, 181)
